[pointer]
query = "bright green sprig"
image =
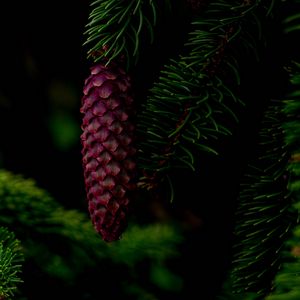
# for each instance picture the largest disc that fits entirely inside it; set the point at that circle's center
(116, 28)
(11, 259)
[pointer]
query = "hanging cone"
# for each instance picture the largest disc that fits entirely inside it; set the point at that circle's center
(107, 148)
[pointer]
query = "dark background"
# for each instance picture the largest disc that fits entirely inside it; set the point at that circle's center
(43, 66)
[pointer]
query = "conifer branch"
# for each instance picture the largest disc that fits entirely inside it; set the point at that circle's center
(264, 217)
(286, 283)
(185, 110)
(11, 259)
(116, 28)
(267, 227)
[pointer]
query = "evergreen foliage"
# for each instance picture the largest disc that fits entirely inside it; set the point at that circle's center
(195, 103)
(196, 100)
(11, 258)
(286, 283)
(265, 259)
(263, 215)
(60, 245)
(117, 28)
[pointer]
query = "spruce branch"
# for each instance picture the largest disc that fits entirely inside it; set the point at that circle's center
(11, 258)
(259, 213)
(264, 216)
(286, 282)
(188, 107)
(116, 28)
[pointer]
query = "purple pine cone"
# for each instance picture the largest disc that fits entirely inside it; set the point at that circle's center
(108, 152)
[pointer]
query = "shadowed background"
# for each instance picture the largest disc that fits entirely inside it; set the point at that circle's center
(43, 66)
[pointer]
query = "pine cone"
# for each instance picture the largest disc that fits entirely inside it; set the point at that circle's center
(108, 148)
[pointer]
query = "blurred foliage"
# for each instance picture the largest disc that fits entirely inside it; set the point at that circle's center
(64, 130)
(62, 124)
(64, 253)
